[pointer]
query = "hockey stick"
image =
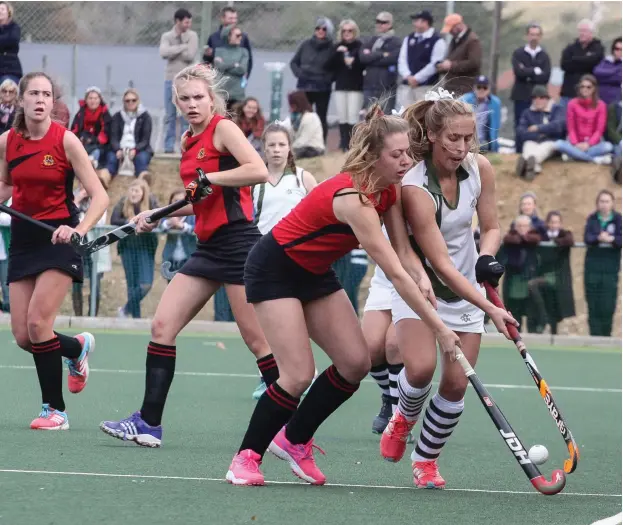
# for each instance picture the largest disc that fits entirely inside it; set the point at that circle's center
(574, 453)
(165, 270)
(130, 228)
(76, 241)
(539, 482)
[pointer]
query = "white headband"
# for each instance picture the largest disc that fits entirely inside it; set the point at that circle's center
(439, 94)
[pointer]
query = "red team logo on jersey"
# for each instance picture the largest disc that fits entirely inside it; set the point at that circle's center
(48, 161)
(201, 154)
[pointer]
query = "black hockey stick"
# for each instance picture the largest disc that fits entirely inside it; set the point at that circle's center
(76, 240)
(574, 453)
(539, 482)
(165, 270)
(117, 234)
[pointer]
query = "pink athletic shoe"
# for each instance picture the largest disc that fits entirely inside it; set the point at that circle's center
(79, 367)
(300, 457)
(50, 419)
(245, 469)
(426, 475)
(395, 436)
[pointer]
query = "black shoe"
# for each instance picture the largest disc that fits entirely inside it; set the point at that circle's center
(530, 166)
(520, 167)
(382, 420)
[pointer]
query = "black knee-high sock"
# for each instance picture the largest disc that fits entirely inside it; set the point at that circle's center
(49, 367)
(160, 371)
(273, 410)
(329, 391)
(70, 346)
(268, 369)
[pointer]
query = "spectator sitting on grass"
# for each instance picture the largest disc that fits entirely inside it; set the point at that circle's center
(249, 118)
(130, 136)
(586, 125)
(608, 75)
(306, 127)
(488, 109)
(540, 127)
(614, 137)
(8, 104)
(92, 125)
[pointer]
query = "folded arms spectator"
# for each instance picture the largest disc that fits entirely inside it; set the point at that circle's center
(10, 35)
(229, 17)
(232, 60)
(608, 75)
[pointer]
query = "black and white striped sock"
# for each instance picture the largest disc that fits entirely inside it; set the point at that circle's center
(439, 422)
(380, 375)
(394, 370)
(411, 399)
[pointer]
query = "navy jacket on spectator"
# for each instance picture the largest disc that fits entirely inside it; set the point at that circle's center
(525, 77)
(10, 36)
(311, 64)
(577, 61)
(552, 124)
(215, 40)
(142, 132)
(608, 75)
(347, 78)
(381, 71)
(593, 228)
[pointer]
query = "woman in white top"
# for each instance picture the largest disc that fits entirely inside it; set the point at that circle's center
(306, 127)
(440, 194)
(287, 186)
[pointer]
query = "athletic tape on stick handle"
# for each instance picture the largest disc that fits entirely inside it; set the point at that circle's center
(571, 462)
(514, 444)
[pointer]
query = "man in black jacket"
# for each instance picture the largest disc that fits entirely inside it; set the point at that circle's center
(579, 58)
(532, 67)
(229, 17)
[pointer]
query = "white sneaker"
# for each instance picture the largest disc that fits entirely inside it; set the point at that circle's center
(121, 313)
(604, 160)
(565, 157)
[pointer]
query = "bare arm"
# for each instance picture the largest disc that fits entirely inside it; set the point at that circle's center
(78, 158)
(490, 236)
(365, 224)
(309, 181)
(252, 170)
(6, 185)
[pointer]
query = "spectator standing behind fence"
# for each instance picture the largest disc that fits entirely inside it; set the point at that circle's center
(10, 35)
(540, 126)
(532, 67)
(579, 58)
(306, 127)
(229, 17)
(137, 253)
(348, 71)
(311, 66)
(488, 109)
(463, 62)
(130, 136)
(8, 104)
(5, 240)
(232, 60)
(608, 75)
(249, 118)
(602, 265)
(379, 57)
(586, 126)
(181, 240)
(614, 137)
(179, 48)
(418, 58)
(92, 125)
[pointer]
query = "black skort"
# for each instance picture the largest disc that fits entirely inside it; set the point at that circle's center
(221, 259)
(31, 251)
(270, 274)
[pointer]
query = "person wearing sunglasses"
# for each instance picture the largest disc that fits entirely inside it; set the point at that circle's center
(232, 60)
(8, 104)
(130, 136)
(488, 109)
(608, 75)
(586, 125)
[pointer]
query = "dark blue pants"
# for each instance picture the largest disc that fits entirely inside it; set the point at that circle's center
(138, 264)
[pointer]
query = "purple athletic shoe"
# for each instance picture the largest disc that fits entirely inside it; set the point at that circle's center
(133, 428)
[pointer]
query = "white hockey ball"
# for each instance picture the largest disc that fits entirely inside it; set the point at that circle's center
(538, 454)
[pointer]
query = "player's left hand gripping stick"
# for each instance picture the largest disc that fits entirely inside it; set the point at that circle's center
(199, 188)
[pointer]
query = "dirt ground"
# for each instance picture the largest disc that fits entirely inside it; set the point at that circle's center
(568, 187)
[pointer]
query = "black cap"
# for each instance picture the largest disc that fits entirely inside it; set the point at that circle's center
(540, 91)
(424, 15)
(481, 80)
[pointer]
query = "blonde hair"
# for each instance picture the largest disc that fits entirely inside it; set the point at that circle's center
(432, 115)
(19, 123)
(366, 144)
(349, 22)
(9, 8)
(128, 207)
(134, 92)
(7, 83)
(214, 82)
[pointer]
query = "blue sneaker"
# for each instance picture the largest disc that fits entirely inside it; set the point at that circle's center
(259, 390)
(133, 428)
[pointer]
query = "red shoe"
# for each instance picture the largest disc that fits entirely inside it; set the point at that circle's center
(50, 419)
(245, 469)
(426, 475)
(300, 457)
(79, 367)
(395, 436)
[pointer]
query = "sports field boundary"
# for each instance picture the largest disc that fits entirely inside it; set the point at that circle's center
(217, 327)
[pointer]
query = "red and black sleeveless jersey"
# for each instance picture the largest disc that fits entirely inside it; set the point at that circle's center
(311, 234)
(225, 205)
(42, 177)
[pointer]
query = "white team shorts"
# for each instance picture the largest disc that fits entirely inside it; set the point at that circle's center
(459, 316)
(380, 292)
